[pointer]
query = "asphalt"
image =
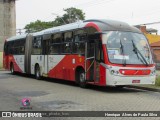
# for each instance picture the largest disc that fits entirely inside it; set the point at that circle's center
(145, 88)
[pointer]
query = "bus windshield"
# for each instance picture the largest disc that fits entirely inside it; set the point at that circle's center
(128, 48)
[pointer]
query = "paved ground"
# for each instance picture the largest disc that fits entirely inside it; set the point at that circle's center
(56, 95)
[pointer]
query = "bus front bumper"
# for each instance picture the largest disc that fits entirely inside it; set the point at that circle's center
(115, 80)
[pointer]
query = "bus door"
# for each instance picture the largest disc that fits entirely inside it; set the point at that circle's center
(91, 63)
(27, 61)
(98, 58)
(45, 53)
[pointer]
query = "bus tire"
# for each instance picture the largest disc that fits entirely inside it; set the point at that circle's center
(37, 72)
(12, 69)
(81, 79)
(120, 86)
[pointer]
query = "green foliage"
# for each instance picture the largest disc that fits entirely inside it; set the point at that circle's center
(38, 26)
(71, 15)
(157, 81)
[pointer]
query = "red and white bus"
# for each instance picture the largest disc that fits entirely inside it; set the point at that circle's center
(100, 52)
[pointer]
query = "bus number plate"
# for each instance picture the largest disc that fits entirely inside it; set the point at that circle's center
(135, 81)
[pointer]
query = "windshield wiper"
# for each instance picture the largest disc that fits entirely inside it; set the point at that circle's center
(122, 49)
(135, 49)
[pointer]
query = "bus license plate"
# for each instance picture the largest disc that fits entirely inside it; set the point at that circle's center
(135, 81)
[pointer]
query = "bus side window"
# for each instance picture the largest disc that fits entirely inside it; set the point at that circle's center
(10, 48)
(6, 48)
(37, 45)
(21, 46)
(16, 52)
(67, 44)
(79, 42)
(14, 48)
(55, 44)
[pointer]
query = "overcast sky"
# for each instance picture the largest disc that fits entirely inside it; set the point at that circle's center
(131, 11)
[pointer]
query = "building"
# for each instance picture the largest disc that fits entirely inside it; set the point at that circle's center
(156, 53)
(7, 20)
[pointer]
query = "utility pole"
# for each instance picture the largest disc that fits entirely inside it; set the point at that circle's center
(59, 17)
(19, 31)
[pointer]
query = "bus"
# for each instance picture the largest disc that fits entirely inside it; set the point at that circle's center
(99, 52)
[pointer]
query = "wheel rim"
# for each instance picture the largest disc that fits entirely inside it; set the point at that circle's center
(12, 69)
(37, 73)
(82, 78)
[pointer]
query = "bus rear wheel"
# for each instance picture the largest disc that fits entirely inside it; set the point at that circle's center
(37, 72)
(81, 79)
(12, 69)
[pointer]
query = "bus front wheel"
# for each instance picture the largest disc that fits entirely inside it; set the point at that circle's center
(81, 79)
(120, 86)
(37, 72)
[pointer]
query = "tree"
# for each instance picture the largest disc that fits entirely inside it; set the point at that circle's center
(71, 15)
(38, 26)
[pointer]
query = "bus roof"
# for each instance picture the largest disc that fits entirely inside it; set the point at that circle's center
(17, 37)
(113, 25)
(63, 28)
(104, 25)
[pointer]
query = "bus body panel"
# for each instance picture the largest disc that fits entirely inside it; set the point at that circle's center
(5, 61)
(37, 59)
(64, 66)
(17, 61)
(55, 65)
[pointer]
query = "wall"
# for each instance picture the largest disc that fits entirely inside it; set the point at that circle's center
(153, 38)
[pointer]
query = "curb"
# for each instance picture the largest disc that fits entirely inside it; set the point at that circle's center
(3, 70)
(145, 88)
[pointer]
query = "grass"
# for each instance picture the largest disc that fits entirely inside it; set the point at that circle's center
(1, 60)
(157, 81)
(156, 85)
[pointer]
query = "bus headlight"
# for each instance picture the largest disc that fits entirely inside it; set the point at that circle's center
(114, 72)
